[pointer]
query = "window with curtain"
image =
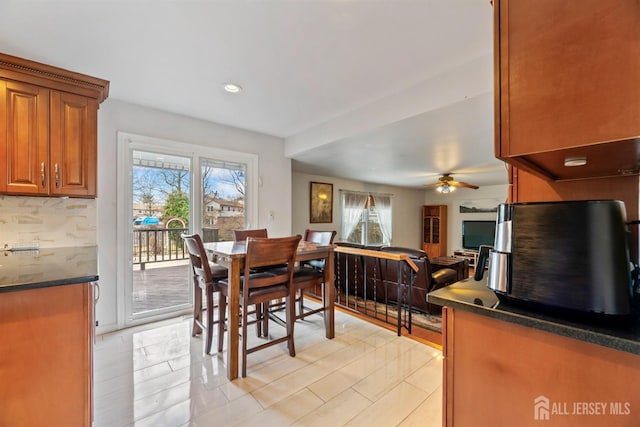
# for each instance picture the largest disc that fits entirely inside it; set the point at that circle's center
(366, 218)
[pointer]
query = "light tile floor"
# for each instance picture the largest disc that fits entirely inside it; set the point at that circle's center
(157, 375)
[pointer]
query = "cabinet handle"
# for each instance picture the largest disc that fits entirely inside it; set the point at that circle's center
(55, 168)
(42, 173)
(97, 293)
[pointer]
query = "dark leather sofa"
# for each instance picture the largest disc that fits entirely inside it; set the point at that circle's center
(375, 278)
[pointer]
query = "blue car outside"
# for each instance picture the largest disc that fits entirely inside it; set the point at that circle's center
(147, 220)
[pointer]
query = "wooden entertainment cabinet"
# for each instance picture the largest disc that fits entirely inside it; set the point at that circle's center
(434, 230)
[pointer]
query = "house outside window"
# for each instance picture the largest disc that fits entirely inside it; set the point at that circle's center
(366, 218)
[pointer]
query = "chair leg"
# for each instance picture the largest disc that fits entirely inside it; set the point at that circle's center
(258, 308)
(290, 320)
(209, 331)
(301, 303)
(197, 308)
(222, 315)
(265, 319)
(244, 340)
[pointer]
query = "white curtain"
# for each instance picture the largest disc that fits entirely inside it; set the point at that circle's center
(383, 207)
(352, 206)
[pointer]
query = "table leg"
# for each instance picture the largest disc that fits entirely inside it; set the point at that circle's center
(233, 333)
(329, 296)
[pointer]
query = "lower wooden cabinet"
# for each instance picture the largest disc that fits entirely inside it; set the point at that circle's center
(46, 356)
(498, 373)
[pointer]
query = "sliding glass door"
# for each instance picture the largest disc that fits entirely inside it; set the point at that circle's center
(161, 210)
(167, 188)
(223, 198)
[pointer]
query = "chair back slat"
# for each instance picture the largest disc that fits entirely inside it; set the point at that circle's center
(198, 256)
(265, 252)
(241, 235)
(323, 238)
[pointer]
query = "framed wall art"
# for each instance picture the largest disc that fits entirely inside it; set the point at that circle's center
(479, 205)
(321, 203)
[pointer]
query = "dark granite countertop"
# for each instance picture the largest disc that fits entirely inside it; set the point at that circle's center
(469, 295)
(21, 270)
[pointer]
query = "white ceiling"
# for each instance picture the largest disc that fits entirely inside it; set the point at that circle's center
(386, 91)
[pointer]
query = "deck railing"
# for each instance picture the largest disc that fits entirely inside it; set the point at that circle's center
(157, 245)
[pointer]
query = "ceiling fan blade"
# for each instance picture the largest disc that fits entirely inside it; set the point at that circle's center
(464, 184)
(447, 180)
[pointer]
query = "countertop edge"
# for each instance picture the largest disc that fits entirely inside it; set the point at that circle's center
(555, 327)
(48, 284)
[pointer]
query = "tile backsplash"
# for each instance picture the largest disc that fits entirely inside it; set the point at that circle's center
(46, 221)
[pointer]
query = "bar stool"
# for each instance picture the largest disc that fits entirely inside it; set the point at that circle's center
(267, 284)
(310, 274)
(206, 277)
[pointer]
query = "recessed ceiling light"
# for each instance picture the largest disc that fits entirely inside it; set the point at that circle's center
(575, 161)
(232, 87)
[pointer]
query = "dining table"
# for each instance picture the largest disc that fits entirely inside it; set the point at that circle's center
(231, 254)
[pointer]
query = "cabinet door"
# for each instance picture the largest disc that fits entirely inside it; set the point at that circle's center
(24, 143)
(3, 136)
(516, 364)
(434, 230)
(426, 230)
(569, 73)
(73, 145)
(46, 356)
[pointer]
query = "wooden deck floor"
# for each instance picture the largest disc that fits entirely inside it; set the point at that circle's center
(161, 285)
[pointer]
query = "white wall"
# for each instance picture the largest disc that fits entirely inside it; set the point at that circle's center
(114, 116)
(455, 218)
(407, 207)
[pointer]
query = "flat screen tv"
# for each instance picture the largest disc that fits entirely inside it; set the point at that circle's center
(476, 233)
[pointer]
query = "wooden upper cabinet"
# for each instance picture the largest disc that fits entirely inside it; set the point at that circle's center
(26, 109)
(568, 85)
(48, 129)
(74, 128)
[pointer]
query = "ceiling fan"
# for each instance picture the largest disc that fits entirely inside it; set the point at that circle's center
(446, 184)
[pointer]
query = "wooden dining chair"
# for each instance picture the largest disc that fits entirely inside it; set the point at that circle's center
(310, 274)
(241, 236)
(206, 278)
(322, 238)
(268, 284)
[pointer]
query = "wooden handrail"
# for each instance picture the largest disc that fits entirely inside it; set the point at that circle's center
(377, 254)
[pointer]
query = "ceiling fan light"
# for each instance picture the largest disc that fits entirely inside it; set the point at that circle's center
(445, 188)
